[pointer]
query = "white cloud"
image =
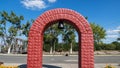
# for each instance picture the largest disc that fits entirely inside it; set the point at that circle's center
(113, 31)
(36, 4)
(51, 1)
(112, 35)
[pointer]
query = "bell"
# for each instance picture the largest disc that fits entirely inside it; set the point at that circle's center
(60, 25)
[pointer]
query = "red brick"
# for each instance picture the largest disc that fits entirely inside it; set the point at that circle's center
(35, 41)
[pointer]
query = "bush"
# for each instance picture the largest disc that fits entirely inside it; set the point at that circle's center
(59, 48)
(3, 66)
(110, 47)
(97, 47)
(66, 47)
(117, 45)
(46, 48)
(75, 47)
(109, 66)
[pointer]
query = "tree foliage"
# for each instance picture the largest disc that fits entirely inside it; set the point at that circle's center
(99, 32)
(10, 28)
(50, 37)
(67, 34)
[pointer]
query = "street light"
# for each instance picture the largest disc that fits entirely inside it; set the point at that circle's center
(60, 25)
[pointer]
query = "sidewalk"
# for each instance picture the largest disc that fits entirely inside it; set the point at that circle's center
(50, 55)
(63, 65)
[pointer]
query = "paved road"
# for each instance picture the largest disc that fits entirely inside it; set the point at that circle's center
(59, 59)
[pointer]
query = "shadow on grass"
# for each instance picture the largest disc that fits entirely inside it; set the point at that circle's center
(44, 66)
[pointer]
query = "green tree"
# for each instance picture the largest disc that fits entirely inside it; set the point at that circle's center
(25, 31)
(3, 17)
(26, 27)
(110, 47)
(50, 36)
(2, 30)
(14, 28)
(76, 47)
(69, 36)
(15, 22)
(48, 39)
(99, 33)
(117, 45)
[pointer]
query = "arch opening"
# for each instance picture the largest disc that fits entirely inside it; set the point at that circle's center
(67, 46)
(53, 30)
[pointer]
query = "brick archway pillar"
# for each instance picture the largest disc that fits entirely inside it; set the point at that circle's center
(35, 40)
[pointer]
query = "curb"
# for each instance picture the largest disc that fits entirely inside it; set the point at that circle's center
(49, 55)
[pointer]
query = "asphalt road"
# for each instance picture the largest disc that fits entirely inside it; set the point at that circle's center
(59, 59)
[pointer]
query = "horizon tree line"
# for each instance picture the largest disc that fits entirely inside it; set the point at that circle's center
(12, 26)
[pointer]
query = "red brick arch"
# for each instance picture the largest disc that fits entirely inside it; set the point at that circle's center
(35, 41)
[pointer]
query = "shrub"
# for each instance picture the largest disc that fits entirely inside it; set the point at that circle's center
(109, 66)
(3, 66)
(110, 47)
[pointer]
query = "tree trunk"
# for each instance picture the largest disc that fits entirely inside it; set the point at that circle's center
(25, 46)
(13, 48)
(0, 48)
(51, 49)
(54, 47)
(0, 45)
(9, 49)
(70, 48)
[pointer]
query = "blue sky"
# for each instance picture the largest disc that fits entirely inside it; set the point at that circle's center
(106, 13)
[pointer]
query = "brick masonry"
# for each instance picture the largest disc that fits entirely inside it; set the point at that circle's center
(35, 40)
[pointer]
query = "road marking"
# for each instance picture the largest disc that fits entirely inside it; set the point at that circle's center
(52, 59)
(70, 60)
